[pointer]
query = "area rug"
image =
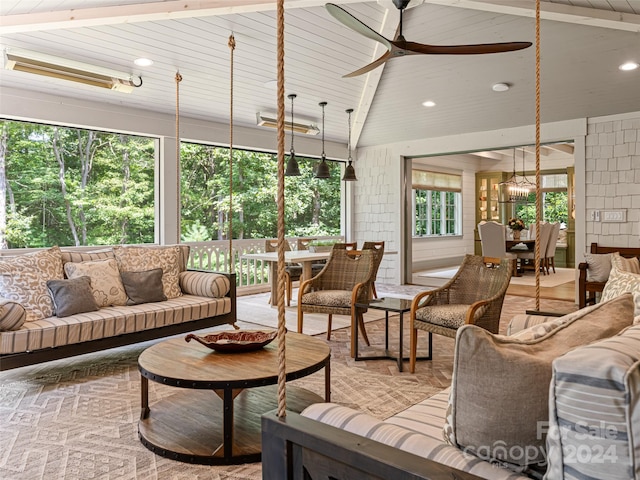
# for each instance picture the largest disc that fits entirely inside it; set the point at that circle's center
(77, 418)
(562, 276)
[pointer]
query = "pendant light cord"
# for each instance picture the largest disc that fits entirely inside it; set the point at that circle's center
(178, 79)
(292, 97)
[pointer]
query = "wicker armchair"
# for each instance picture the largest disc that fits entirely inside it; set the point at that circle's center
(344, 281)
(473, 296)
(379, 248)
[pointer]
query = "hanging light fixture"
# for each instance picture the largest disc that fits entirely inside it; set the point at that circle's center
(349, 171)
(292, 170)
(512, 189)
(526, 185)
(323, 167)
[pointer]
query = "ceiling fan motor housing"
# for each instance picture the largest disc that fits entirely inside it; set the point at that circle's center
(401, 4)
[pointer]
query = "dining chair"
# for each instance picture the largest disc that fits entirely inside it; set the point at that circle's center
(474, 296)
(345, 246)
(493, 236)
(379, 248)
(344, 281)
(549, 258)
(545, 234)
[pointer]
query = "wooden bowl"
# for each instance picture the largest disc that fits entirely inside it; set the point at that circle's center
(235, 340)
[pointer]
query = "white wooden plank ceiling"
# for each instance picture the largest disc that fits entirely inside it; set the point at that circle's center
(579, 72)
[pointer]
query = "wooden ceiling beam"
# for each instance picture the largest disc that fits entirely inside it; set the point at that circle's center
(142, 12)
(592, 17)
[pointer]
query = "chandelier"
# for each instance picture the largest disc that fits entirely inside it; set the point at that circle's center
(514, 189)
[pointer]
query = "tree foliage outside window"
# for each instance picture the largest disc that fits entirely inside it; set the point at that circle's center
(436, 213)
(312, 206)
(554, 201)
(71, 187)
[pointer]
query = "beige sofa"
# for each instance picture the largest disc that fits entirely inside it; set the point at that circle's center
(559, 400)
(39, 298)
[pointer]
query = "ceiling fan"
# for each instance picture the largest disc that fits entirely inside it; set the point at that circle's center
(399, 47)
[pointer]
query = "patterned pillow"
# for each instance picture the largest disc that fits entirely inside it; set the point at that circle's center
(24, 279)
(625, 264)
(599, 266)
(106, 284)
(494, 376)
(141, 259)
(12, 315)
(621, 282)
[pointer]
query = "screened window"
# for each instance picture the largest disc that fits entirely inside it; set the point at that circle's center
(72, 187)
(554, 200)
(437, 201)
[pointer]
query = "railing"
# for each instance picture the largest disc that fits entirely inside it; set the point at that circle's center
(214, 256)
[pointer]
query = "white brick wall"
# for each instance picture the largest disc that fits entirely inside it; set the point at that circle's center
(612, 177)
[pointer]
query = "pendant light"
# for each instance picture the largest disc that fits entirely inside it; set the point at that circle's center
(293, 170)
(513, 190)
(349, 171)
(323, 167)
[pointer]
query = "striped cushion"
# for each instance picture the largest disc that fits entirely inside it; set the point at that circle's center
(12, 315)
(594, 411)
(204, 284)
(394, 433)
(110, 321)
(77, 257)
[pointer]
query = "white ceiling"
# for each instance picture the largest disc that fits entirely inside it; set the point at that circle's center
(579, 73)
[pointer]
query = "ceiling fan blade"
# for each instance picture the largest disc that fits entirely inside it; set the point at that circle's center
(353, 23)
(412, 47)
(371, 66)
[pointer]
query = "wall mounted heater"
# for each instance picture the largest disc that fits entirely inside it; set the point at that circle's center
(62, 68)
(269, 120)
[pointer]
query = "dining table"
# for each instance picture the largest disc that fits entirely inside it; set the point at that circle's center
(304, 257)
(510, 244)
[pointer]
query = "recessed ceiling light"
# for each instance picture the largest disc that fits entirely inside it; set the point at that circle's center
(143, 62)
(628, 66)
(271, 84)
(429, 103)
(500, 87)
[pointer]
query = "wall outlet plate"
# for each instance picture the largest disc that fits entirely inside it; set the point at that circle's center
(614, 215)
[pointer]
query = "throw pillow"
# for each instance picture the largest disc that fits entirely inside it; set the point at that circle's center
(599, 266)
(625, 264)
(23, 278)
(140, 259)
(500, 387)
(106, 283)
(12, 315)
(621, 282)
(77, 257)
(143, 287)
(72, 296)
(204, 284)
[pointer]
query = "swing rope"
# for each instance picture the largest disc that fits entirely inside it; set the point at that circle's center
(232, 46)
(282, 401)
(178, 79)
(538, 196)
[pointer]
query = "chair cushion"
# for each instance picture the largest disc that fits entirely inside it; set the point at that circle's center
(329, 298)
(451, 316)
(495, 375)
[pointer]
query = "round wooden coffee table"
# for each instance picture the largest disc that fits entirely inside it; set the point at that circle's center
(195, 426)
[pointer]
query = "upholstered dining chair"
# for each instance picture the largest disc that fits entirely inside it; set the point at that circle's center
(545, 234)
(550, 255)
(292, 271)
(378, 247)
(493, 236)
(344, 281)
(474, 296)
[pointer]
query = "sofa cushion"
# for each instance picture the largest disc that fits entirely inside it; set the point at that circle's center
(620, 282)
(494, 376)
(143, 287)
(599, 266)
(594, 410)
(77, 257)
(106, 283)
(23, 278)
(12, 315)
(204, 284)
(631, 265)
(140, 259)
(71, 296)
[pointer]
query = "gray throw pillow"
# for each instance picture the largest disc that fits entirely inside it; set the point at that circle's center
(72, 296)
(599, 266)
(143, 287)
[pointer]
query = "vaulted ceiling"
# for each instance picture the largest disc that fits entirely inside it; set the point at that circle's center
(583, 43)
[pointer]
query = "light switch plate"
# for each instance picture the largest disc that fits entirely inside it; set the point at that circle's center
(614, 216)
